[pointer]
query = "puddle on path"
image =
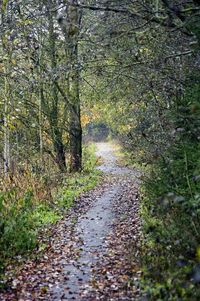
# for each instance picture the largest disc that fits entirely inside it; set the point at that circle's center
(91, 229)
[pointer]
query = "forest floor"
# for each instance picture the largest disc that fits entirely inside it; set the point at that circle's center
(93, 252)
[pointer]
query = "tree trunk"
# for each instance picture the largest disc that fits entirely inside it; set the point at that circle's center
(75, 140)
(56, 132)
(6, 137)
(60, 151)
(7, 101)
(75, 130)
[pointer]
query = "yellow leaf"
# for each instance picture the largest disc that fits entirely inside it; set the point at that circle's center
(4, 5)
(2, 68)
(198, 253)
(14, 62)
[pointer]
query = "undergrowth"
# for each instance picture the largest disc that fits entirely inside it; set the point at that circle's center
(170, 199)
(35, 201)
(171, 211)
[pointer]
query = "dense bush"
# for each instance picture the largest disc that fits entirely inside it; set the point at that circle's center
(171, 209)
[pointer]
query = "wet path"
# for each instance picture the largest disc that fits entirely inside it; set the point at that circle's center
(110, 166)
(88, 252)
(92, 229)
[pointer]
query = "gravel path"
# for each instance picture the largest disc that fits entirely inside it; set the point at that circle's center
(93, 252)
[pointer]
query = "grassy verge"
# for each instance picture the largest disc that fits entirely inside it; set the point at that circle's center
(23, 215)
(126, 158)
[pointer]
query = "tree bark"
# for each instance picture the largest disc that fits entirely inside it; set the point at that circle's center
(7, 101)
(59, 150)
(75, 130)
(6, 134)
(56, 132)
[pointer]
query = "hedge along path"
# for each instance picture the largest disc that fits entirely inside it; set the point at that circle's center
(94, 250)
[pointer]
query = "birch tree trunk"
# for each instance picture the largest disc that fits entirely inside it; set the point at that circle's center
(7, 99)
(6, 132)
(40, 106)
(40, 124)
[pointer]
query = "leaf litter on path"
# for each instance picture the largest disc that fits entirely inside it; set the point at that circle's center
(93, 252)
(116, 275)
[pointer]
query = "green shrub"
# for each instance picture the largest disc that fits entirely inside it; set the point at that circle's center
(22, 215)
(171, 210)
(89, 158)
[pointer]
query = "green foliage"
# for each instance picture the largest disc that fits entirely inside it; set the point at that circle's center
(171, 209)
(80, 182)
(21, 218)
(4, 4)
(45, 215)
(17, 231)
(89, 158)
(74, 186)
